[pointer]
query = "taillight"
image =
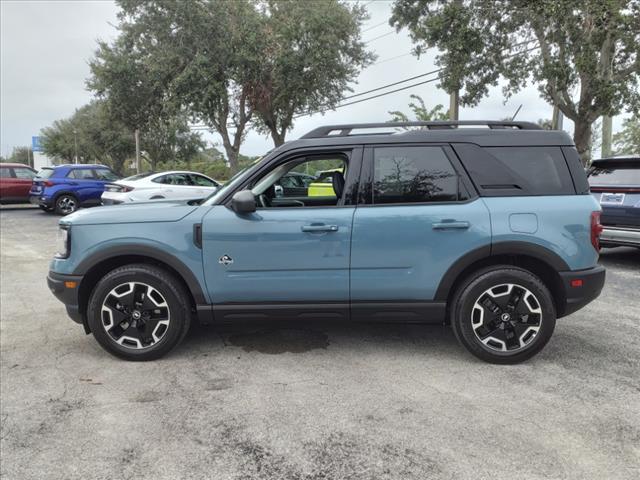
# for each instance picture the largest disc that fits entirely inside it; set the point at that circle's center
(118, 188)
(596, 230)
(127, 189)
(48, 183)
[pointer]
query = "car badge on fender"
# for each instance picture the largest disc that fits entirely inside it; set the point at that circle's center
(225, 260)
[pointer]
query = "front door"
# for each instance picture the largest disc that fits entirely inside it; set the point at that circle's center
(290, 256)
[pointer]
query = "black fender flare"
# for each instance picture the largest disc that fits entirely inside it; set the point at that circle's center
(543, 254)
(150, 252)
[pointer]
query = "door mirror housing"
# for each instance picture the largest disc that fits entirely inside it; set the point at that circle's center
(243, 202)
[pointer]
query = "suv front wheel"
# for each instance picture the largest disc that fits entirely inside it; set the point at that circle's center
(503, 314)
(139, 312)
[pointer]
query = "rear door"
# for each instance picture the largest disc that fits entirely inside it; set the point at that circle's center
(416, 216)
(7, 183)
(24, 178)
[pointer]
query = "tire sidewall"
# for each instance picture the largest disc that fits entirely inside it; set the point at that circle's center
(473, 288)
(168, 288)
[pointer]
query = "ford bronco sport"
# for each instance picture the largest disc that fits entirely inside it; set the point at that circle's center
(486, 226)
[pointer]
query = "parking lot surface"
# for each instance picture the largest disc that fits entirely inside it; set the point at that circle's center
(311, 401)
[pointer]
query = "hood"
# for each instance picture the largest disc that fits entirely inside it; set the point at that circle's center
(163, 211)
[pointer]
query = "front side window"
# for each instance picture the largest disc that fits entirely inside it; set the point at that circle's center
(181, 179)
(5, 172)
(413, 175)
(282, 187)
(24, 173)
(200, 181)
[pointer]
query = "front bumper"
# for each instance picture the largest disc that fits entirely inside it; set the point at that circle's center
(620, 237)
(65, 288)
(581, 287)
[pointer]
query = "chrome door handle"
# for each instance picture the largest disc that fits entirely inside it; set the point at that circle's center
(319, 228)
(450, 225)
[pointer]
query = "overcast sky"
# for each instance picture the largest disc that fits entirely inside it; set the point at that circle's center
(46, 46)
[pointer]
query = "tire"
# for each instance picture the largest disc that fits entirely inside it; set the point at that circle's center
(66, 204)
(503, 314)
(145, 330)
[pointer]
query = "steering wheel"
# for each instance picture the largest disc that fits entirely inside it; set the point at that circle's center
(264, 200)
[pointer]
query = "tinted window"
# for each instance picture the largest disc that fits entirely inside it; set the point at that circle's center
(614, 176)
(536, 170)
(5, 172)
(201, 181)
(45, 173)
(413, 175)
(81, 174)
(104, 174)
(24, 173)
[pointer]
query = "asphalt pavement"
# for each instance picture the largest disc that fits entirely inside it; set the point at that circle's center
(310, 400)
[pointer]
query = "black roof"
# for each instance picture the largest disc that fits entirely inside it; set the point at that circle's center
(631, 161)
(494, 134)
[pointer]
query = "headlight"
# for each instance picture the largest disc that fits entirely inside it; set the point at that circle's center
(64, 241)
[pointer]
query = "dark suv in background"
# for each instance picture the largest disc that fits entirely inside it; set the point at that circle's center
(65, 188)
(615, 183)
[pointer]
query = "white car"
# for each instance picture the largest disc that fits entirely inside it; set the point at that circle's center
(159, 186)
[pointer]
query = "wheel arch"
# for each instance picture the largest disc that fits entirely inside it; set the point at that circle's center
(539, 260)
(96, 266)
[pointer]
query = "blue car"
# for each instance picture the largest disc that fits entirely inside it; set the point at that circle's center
(65, 188)
(491, 230)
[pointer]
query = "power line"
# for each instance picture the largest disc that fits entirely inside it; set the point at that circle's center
(384, 60)
(380, 36)
(373, 26)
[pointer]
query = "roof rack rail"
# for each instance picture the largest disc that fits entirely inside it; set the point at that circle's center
(345, 130)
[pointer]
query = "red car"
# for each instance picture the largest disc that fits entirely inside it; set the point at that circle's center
(15, 182)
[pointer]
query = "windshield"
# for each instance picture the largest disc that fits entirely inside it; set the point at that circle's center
(614, 176)
(231, 183)
(45, 173)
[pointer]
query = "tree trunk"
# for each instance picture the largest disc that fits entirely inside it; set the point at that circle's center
(582, 139)
(277, 138)
(232, 155)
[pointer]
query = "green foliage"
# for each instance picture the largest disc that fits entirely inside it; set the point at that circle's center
(627, 141)
(19, 155)
(213, 166)
(310, 52)
(420, 111)
(584, 55)
(99, 138)
(545, 123)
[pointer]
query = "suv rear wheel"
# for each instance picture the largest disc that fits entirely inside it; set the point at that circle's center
(503, 314)
(66, 204)
(139, 312)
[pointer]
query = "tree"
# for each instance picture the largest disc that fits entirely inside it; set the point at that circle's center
(19, 155)
(420, 111)
(311, 51)
(583, 55)
(627, 141)
(171, 140)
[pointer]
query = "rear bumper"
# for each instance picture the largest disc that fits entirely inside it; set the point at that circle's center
(581, 287)
(61, 287)
(40, 200)
(620, 236)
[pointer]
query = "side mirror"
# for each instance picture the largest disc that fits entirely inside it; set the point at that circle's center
(243, 202)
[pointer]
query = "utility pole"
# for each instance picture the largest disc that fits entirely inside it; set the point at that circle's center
(75, 143)
(557, 119)
(454, 101)
(607, 135)
(136, 134)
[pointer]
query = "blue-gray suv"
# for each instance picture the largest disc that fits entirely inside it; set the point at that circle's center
(490, 228)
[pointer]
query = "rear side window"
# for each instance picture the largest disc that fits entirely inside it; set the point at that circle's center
(413, 175)
(24, 173)
(614, 176)
(45, 173)
(541, 170)
(5, 172)
(82, 174)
